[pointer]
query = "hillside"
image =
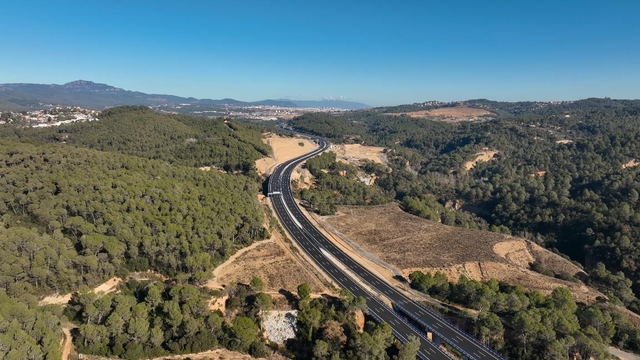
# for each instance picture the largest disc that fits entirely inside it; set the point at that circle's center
(98, 214)
(505, 109)
(450, 114)
(80, 93)
(390, 234)
(177, 139)
(73, 217)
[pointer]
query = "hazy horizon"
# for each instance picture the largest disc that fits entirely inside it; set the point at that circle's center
(377, 53)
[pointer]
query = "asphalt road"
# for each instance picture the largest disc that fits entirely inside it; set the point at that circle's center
(341, 267)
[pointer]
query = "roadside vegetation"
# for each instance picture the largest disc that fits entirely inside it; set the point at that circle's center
(327, 329)
(528, 325)
(337, 183)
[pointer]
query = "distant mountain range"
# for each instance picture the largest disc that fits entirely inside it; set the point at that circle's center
(87, 94)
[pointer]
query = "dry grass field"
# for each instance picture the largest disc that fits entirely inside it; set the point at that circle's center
(272, 261)
(411, 243)
(448, 113)
(459, 112)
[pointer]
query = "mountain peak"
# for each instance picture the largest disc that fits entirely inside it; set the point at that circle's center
(79, 83)
(87, 85)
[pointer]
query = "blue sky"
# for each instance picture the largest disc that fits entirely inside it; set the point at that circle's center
(377, 52)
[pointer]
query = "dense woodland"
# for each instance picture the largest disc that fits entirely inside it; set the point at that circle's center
(28, 331)
(85, 202)
(150, 319)
(75, 216)
(574, 196)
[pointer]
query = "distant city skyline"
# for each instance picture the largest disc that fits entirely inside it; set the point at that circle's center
(374, 52)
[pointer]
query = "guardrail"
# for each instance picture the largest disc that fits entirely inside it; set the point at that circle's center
(397, 335)
(403, 311)
(473, 338)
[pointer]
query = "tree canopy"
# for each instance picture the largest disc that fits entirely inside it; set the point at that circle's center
(85, 202)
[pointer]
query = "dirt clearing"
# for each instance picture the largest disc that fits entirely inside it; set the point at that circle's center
(284, 148)
(354, 153)
(564, 141)
(303, 177)
(270, 261)
(483, 156)
(392, 235)
(108, 286)
(448, 113)
(459, 112)
(630, 163)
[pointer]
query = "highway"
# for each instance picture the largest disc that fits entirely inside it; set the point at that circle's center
(352, 276)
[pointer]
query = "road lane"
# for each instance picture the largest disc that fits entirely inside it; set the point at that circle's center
(311, 240)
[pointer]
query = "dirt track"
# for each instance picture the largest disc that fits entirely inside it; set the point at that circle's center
(66, 349)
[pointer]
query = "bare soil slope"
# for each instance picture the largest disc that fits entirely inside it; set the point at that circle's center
(284, 148)
(354, 153)
(218, 354)
(459, 112)
(302, 176)
(275, 260)
(482, 156)
(269, 261)
(411, 243)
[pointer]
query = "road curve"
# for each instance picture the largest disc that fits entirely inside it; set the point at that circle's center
(325, 254)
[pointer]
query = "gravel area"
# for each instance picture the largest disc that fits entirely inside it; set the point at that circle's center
(280, 325)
